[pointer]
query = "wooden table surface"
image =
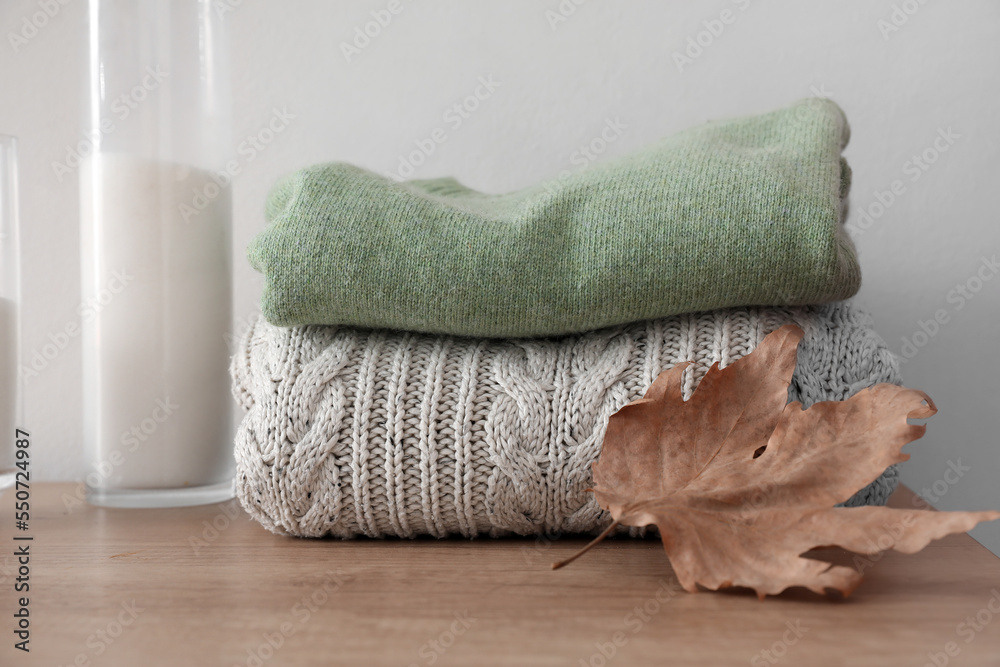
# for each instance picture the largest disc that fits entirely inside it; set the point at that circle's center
(207, 586)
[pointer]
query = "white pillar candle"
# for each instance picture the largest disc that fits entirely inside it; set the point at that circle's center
(157, 310)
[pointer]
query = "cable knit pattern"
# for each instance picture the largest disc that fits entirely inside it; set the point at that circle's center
(380, 433)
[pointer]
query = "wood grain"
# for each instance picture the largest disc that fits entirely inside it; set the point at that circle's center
(204, 595)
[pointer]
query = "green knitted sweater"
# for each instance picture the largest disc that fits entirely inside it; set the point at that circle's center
(732, 213)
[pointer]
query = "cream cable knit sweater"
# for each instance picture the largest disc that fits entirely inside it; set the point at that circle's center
(373, 432)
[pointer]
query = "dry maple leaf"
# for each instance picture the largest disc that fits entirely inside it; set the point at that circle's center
(741, 484)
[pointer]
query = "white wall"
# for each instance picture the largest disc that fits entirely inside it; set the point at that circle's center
(558, 87)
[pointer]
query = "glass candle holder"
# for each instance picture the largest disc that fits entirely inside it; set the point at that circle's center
(10, 300)
(156, 266)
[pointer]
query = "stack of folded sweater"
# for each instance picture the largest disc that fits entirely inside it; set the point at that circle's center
(434, 360)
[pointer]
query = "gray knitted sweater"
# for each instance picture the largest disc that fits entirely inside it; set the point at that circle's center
(372, 432)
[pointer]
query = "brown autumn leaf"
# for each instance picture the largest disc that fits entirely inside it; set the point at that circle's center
(740, 484)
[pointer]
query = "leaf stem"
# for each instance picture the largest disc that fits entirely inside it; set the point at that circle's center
(607, 531)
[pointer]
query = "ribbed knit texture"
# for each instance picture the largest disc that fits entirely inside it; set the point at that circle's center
(732, 213)
(371, 432)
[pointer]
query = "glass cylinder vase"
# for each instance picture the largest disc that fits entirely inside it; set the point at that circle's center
(155, 234)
